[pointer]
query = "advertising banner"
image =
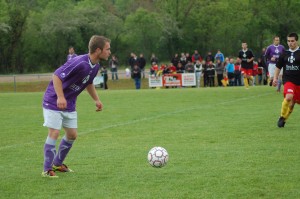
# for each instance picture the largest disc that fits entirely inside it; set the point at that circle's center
(170, 80)
(155, 81)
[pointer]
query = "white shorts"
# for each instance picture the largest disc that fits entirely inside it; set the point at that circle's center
(271, 69)
(57, 119)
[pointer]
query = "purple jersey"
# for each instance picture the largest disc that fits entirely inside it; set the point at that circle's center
(76, 74)
(274, 51)
(71, 56)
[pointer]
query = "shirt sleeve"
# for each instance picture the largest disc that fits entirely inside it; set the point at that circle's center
(280, 62)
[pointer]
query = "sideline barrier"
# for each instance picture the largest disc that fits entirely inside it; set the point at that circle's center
(184, 79)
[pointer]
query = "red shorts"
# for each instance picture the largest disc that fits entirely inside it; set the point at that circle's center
(247, 71)
(290, 88)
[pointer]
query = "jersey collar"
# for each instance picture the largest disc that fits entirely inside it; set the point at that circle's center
(294, 50)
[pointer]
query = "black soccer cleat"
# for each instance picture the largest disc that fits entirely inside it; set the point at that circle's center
(281, 122)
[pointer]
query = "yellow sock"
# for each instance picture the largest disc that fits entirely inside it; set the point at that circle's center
(290, 110)
(285, 109)
(246, 83)
(251, 77)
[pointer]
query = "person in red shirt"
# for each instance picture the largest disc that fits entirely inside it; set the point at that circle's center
(154, 69)
(172, 68)
(237, 73)
(196, 57)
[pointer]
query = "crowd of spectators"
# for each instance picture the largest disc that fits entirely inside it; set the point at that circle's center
(210, 70)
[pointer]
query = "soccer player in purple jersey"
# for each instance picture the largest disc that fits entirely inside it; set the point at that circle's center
(71, 53)
(272, 55)
(59, 103)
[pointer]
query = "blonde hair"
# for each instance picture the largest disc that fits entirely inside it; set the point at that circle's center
(97, 41)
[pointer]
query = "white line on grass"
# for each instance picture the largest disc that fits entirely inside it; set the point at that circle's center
(142, 119)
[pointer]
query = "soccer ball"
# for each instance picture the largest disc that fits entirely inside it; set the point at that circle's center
(158, 157)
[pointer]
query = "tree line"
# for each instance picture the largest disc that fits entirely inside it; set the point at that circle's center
(35, 34)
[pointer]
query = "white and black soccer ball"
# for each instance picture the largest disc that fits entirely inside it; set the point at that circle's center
(158, 157)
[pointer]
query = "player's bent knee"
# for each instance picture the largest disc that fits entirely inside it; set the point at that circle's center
(71, 133)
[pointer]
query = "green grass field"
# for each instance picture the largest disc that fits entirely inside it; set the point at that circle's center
(222, 142)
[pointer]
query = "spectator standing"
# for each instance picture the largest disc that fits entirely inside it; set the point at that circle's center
(71, 54)
(183, 60)
(198, 72)
(246, 55)
(211, 74)
(230, 71)
(153, 59)
(263, 63)
(133, 60)
(103, 71)
(219, 55)
(205, 68)
(113, 65)
(142, 64)
(59, 102)
(259, 72)
(272, 55)
(136, 76)
(209, 57)
(188, 57)
(219, 68)
(237, 72)
(175, 60)
(289, 61)
(255, 72)
(196, 57)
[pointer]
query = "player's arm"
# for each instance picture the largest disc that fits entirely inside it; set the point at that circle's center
(61, 100)
(278, 67)
(93, 93)
(252, 57)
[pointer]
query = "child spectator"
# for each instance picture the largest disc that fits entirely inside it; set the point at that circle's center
(136, 75)
(211, 74)
(230, 72)
(154, 69)
(237, 73)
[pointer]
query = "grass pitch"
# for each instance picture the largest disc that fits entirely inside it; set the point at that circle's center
(222, 142)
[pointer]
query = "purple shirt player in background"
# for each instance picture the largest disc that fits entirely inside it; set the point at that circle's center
(272, 54)
(59, 103)
(71, 54)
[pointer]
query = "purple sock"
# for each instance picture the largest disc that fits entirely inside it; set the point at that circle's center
(63, 150)
(49, 154)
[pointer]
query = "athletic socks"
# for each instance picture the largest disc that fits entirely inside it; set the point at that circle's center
(246, 83)
(63, 150)
(285, 110)
(49, 153)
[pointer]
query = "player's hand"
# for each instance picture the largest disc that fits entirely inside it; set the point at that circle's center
(99, 106)
(275, 82)
(61, 103)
